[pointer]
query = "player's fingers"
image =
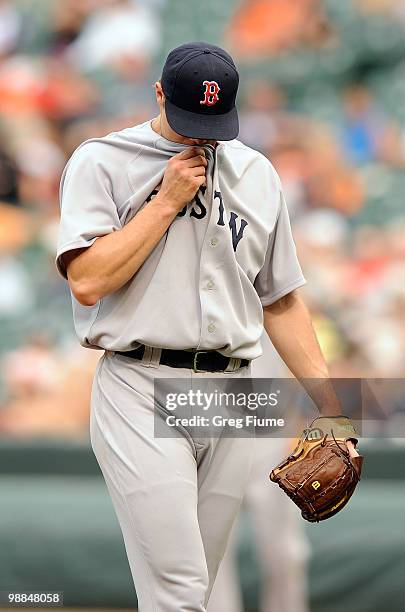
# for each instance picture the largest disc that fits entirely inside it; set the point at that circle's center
(201, 181)
(198, 160)
(190, 152)
(352, 449)
(198, 171)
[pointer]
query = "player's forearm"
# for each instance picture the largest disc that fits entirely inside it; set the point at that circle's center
(114, 259)
(289, 326)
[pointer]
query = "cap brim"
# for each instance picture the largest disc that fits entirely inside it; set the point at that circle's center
(204, 127)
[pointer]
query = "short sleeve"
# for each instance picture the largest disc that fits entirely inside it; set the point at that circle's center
(281, 272)
(88, 210)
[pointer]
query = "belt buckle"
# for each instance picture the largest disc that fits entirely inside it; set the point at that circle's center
(195, 367)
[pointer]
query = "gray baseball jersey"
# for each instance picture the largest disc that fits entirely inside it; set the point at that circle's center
(225, 255)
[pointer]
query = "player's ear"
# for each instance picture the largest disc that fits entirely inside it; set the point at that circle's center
(160, 96)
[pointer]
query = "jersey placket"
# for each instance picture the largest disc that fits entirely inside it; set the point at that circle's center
(213, 250)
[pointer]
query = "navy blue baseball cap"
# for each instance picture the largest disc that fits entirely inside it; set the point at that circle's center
(200, 83)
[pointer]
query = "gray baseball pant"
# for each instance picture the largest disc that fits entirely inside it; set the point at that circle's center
(175, 498)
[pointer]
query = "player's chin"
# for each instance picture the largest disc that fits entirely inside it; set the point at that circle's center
(198, 142)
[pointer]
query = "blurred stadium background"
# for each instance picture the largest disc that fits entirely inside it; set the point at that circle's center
(323, 96)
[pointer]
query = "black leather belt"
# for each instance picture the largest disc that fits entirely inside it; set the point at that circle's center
(199, 361)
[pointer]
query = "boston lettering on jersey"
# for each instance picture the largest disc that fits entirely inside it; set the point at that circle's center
(201, 211)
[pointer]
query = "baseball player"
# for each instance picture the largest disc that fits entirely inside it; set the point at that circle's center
(176, 244)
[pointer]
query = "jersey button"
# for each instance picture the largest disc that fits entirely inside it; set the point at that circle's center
(214, 241)
(211, 328)
(210, 285)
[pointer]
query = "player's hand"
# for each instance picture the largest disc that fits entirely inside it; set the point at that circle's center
(352, 449)
(184, 175)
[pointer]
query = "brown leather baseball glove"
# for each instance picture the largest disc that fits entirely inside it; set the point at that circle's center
(319, 475)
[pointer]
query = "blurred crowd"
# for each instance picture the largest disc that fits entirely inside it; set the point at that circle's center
(324, 103)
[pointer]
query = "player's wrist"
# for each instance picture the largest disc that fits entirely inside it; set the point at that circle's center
(165, 205)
